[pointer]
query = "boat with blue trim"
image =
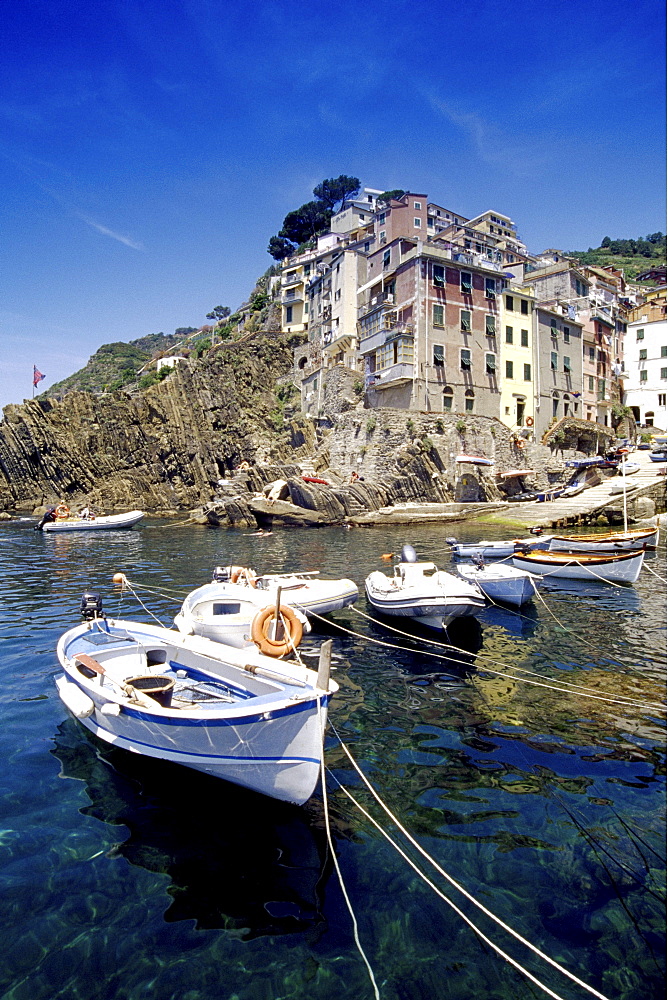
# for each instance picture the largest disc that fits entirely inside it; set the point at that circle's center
(232, 713)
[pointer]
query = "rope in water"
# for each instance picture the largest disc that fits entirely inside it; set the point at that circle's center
(455, 884)
(339, 873)
(567, 688)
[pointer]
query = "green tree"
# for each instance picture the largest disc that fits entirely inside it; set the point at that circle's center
(389, 195)
(219, 313)
(336, 189)
(306, 222)
(280, 248)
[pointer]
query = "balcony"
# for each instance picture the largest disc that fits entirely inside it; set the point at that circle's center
(291, 298)
(287, 280)
(388, 378)
(334, 343)
(376, 340)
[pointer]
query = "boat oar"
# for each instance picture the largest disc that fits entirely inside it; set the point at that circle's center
(127, 689)
(273, 675)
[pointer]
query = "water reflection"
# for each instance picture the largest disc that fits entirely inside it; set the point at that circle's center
(235, 859)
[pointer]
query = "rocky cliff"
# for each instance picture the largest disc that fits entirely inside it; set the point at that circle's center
(161, 449)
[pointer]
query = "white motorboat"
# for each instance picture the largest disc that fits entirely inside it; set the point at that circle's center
(234, 714)
(70, 522)
(494, 550)
(419, 590)
(615, 541)
(610, 567)
(501, 582)
(227, 608)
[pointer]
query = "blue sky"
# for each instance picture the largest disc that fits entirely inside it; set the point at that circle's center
(149, 150)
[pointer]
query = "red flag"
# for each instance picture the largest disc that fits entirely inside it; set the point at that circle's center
(36, 375)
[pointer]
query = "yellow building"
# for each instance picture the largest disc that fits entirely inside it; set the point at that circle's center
(516, 356)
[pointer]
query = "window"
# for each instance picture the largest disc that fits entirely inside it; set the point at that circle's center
(524, 307)
(447, 398)
(465, 359)
(439, 276)
(664, 373)
(465, 320)
(509, 369)
(466, 282)
(509, 334)
(642, 355)
(643, 376)
(553, 361)
(640, 334)
(439, 356)
(490, 326)
(664, 352)
(490, 364)
(468, 401)
(527, 373)
(553, 328)
(509, 303)
(567, 335)
(417, 205)
(591, 383)
(417, 223)
(438, 312)
(490, 288)
(601, 388)
(592, 354)
(288, 314)
(567, 365)
(383, 237)
(430, 221)
(524, 338)
(386, 258)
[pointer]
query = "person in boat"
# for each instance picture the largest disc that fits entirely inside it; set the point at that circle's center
(48, 515)
(86, 514)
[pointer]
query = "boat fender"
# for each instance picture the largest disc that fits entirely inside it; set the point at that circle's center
(79, 704)
(111, 708)
(262, 627)
(408, 554)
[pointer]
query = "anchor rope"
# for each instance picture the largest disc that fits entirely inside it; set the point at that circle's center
(453, 882)
(339, 873)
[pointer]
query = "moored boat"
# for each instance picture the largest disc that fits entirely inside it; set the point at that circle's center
(419, 590)
(73, 522)
(501, 582)
(613, 541)
(234, 714)
(610, 567)
(495, 550)
(225, 609)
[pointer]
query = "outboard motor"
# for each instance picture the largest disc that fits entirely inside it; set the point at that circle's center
(49, 515)
(91, 606)
(408, 554)
(478, 561)
(451, 541)
(537, 530)
(221, 574)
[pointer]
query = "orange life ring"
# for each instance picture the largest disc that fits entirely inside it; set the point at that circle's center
(261, 626)
(62, 511)
(521, 444)
(243, 576)
(529, 421)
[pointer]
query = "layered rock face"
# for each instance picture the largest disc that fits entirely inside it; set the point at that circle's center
(159, 450)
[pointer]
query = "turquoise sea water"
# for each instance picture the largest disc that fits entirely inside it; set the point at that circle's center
(129, 878)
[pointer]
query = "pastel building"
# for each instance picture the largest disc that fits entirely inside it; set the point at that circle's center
(646, 362)
(558, 365)
(516, 351)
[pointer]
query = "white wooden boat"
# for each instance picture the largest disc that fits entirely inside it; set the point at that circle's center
(628, 468)
(494, 550)
(305, 591)
(610, 567)
(104, 522)
(419, 590)
(614, 541)
(242, 616)
(501, 582)
(234, 714)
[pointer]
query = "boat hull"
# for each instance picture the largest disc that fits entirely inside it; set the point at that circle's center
(629, 541)
(496, 550)
(105, 523)
(509, 587)
(267, 737)
(431, 602)
(610, 568)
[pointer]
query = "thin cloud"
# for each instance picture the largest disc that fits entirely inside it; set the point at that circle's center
(514, 153)
(125, 240)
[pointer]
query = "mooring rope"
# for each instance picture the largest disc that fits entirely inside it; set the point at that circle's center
(336, 860)
(501, 923)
